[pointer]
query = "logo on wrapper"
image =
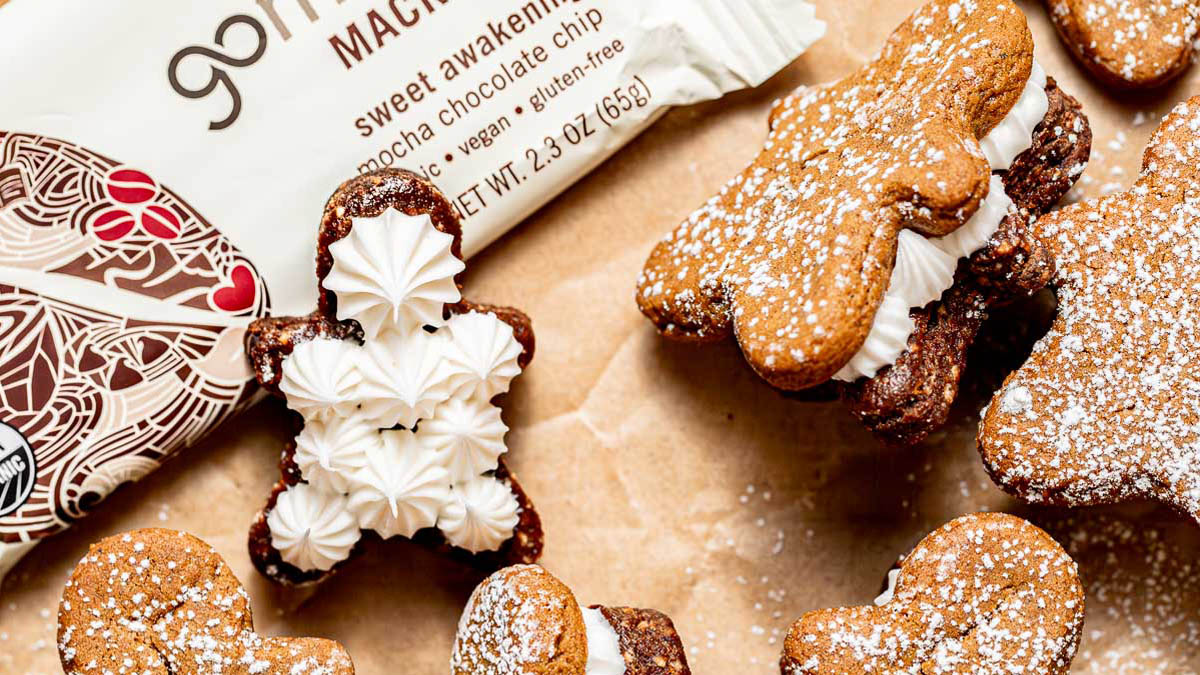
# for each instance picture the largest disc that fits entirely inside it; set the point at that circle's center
(18, 469)
(219, 77)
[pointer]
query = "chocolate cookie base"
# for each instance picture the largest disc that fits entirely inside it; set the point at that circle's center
(649, 642)
(906, 402)
(270, 340)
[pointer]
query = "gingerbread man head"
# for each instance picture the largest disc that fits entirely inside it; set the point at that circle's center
(396, 379)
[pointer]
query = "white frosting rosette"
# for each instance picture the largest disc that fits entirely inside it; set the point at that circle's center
(924, 268)
(402, 489)
(312, 528)
(330, 453)
(480, 515)
(400, 433)
(483, 356)
(403, 378)
(393, 271)
(468, 435)
(320, 379)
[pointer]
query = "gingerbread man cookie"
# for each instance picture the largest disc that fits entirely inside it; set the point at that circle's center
(885, 214)
(396, 380)
(159, 602)
(1129, 44)
(1107, 407)
(523, 621)
(986, 593)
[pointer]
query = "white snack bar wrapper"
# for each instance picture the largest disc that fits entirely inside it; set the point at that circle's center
(163, 167)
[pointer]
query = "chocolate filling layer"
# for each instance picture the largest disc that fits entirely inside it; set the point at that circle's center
(907, 401)
(649, 642)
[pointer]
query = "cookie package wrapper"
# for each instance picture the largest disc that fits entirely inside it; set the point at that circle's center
(161, 162)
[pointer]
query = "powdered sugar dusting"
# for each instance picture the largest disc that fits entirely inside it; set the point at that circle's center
(1136, 41)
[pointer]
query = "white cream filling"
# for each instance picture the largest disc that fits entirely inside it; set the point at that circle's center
(603, 646)
(925, 267)
(890, 592)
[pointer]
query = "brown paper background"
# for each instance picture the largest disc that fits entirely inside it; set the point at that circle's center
(669, 476)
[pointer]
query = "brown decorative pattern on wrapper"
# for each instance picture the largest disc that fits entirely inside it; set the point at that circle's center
(121, 316)
(985, 593)
(1129, 44)
(795, 256)
(1106, 408)
(163, 602)
(270, 341)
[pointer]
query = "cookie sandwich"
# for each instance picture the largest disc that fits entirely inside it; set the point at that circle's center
(859, 253)
(523, 621)
(985, 593)
(395, 381)
(1107, 408)
(159, 601)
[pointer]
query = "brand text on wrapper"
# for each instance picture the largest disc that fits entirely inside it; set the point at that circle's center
(378, 28)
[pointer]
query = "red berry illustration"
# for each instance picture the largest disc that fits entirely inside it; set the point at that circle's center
(130, 186)
(113, 224)
(161, 222)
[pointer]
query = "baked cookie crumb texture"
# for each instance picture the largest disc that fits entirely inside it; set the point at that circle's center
(1107, 407)
(986, 593)
(1129, 44)
(883, 216)
(396, 379)
(523, 621)
(159, 601)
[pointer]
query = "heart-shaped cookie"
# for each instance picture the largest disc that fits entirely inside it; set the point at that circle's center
(160, 602)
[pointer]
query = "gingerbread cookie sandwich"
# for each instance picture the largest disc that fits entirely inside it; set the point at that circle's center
(986, 593)
(886, 213)
(1129, 44)
(523, 621)
(396, 380)
(1107, 407)
(163, 602)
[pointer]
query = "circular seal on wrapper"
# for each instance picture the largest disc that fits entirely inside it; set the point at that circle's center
(18, 469)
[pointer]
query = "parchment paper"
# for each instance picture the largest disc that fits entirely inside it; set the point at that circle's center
(670, 476)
